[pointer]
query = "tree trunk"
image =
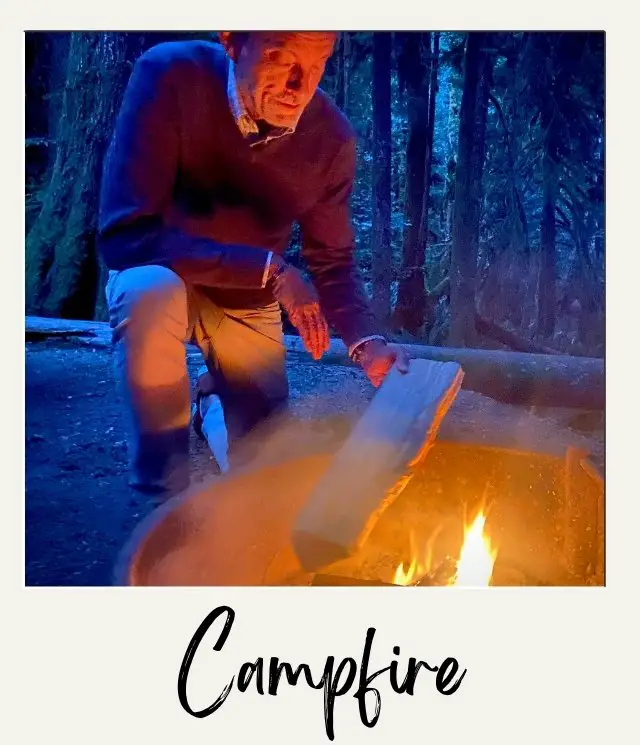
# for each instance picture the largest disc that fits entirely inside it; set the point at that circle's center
(339, 81)
(381, 176)
(468, 191)
(423, 240)
(62, 267)
(518, 217)
(514, 115)
(410, 308)
(342, 77)
(347, 69)
(547, 275)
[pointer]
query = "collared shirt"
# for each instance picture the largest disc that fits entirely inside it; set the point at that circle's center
(247, 126)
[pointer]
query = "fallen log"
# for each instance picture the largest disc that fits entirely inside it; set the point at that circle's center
(96, 333)
(512, 377)
(375, 463)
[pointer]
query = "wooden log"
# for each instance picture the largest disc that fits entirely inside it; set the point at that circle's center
(512, 377)
(375, 463)
(96, 333)
(330, 580)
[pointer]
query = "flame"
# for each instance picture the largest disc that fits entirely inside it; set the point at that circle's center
(404, 576)
(474, 567)
(418, 567)
(477, 557)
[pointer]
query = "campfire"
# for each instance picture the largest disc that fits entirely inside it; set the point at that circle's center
(540, 524)
(473, 568)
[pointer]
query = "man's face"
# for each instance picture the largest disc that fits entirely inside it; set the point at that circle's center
(278, 73)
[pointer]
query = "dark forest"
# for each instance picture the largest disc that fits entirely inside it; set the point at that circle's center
(479, 199)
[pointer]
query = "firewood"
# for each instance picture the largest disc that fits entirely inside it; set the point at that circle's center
(376, 462)
(331, 580)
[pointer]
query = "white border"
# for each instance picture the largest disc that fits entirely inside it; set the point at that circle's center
(100, 665)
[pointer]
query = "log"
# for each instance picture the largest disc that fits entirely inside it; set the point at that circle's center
(330, 580)
(96, 333)
(511, 377)
(375, 463)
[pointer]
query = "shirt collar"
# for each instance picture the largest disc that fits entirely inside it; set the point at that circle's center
(247, 126)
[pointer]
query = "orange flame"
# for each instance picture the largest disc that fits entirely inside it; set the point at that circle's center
(419, 567)
(474, 567)
(404, 576)
(477, 557)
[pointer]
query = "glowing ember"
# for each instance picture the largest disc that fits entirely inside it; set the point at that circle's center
(473, 569)
(477, 557)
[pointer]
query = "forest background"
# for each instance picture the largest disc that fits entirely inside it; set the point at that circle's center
(479, 197)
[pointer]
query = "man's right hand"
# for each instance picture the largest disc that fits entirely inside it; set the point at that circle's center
(300, 300)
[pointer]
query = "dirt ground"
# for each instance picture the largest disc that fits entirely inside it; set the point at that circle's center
(79, 509)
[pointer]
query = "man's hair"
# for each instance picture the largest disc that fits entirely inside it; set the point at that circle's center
(237, 38)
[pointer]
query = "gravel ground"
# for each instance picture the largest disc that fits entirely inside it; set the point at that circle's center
(79, 508)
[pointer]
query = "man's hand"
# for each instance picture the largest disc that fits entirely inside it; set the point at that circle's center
(377, 358)
(301, 302)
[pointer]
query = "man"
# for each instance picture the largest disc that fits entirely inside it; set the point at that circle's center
(217, 151)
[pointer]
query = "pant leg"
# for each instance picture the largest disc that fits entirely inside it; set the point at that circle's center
(246, 362)
(149, 316)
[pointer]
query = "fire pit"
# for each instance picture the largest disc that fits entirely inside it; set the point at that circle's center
(541, 521)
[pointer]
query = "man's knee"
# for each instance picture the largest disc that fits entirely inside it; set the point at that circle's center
(147, 296)
(149, 314)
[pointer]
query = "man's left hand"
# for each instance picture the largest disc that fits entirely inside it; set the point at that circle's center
(377, 358)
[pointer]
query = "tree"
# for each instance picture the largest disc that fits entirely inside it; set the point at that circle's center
(62, 266)
(64, 274)
(342, 78)
(521, 239)
(468, 190)
(410, 308)
(564, 93)
(381, 177)
(45, 57)
(423, 237)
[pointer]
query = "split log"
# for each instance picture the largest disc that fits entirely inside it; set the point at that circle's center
(512, 377)
(376, 462)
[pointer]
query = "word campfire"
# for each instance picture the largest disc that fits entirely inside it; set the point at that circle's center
(336, 679)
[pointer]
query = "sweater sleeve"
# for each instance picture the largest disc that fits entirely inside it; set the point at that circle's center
(328, 249)
(140, 170)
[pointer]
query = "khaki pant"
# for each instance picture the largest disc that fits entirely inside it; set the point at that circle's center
(153, 314)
